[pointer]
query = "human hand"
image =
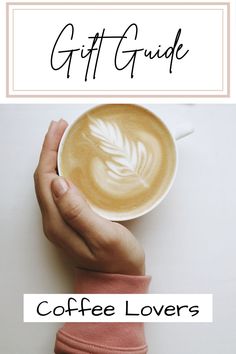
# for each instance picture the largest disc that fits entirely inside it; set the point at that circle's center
(91, 241)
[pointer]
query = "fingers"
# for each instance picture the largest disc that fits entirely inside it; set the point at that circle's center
(48, 157)
(59, 233)
(68, 220)
(46, 169)
(54, 226)
(76, 212)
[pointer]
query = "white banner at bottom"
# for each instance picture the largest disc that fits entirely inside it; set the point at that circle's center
(118, 308)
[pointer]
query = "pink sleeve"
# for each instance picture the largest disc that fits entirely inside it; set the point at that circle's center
(104, 338)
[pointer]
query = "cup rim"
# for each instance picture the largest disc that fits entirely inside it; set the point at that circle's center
(136, 215)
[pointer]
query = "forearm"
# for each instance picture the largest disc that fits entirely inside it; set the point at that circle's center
(104, 338)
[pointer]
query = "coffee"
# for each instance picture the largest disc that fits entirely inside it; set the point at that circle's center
(122, 157)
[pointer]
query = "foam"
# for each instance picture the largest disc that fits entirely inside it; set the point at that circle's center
(121, 156)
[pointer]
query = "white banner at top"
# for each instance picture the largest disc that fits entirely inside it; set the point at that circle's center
(108, 50)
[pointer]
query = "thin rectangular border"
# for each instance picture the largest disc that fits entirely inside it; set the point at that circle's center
(95, 9)
(227, 4)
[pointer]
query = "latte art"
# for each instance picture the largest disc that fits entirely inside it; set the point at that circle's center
(127, 163)
(120, 156)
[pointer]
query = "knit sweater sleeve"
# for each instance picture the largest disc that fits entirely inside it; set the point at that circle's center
(104, 338)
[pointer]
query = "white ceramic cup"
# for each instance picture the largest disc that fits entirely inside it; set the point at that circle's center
(179, 132)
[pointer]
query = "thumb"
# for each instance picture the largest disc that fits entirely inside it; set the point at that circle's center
(76, 212)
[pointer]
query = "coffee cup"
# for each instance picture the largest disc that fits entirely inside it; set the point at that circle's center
(122, 157)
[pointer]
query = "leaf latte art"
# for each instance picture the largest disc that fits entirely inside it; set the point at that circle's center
(127, 160)
(120, 156)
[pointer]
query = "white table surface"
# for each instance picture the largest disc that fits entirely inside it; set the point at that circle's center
(190, 239)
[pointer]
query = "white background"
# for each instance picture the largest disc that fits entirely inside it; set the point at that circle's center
(151, 100)
(189, 239)
(201, 69)
(41, 307)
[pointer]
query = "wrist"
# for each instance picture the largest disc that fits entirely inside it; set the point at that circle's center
(93, 282)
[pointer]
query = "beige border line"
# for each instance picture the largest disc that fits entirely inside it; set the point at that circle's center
(222, 54)
(157, 90)
(227, 4)
(119, 96)
(7, 50)
(94, 9)
(228, 51)
(116, 90)
(13, 51)
(118, 3)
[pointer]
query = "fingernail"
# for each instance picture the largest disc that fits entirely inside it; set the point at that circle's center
(62, 121)
(59, 187)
